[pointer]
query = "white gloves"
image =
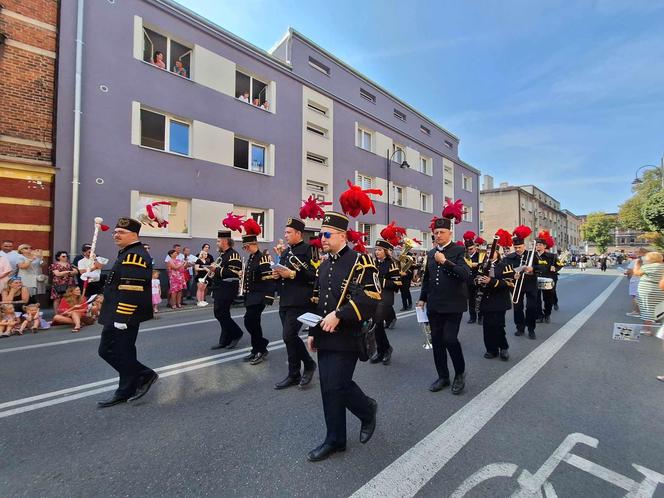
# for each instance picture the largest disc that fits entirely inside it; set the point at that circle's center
(120, 326)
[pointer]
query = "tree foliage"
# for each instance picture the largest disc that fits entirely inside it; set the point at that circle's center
(653, 211)
(630, 215)
(599, 228)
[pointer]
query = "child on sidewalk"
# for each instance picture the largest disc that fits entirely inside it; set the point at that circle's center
(156, 291)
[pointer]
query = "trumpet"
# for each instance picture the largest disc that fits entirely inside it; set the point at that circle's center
(518, 286)
(296, 263)
(426, 331)
(210, 272)
(242, 281)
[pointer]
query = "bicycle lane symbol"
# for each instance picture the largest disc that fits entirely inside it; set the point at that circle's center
(537, 484)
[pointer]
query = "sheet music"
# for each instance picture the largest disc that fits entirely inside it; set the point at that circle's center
(421, 314)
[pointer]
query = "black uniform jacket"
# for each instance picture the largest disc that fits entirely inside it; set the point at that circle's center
(257, 282)
(515, 261)
(474, 263)
(389, 278)
(128, 289)
(298, 291)
(348, 283)
(497, 294)
(405, 279)
(225, 281)
(445, 287)
(542, 264)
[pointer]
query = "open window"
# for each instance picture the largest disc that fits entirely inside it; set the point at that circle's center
(166, 53)
(164, 132)
(249, 155)
(251, 90)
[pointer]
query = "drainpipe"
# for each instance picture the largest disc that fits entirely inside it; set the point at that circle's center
(77, 129)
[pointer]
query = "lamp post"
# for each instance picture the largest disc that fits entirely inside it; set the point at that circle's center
(402, 165)
(638, 181)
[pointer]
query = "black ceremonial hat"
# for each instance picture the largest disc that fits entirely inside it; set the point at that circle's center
(442, 223)
(223, 234)
(336, 220)
(295, 223)
(248, 239)
(129, 224)
(384, 244)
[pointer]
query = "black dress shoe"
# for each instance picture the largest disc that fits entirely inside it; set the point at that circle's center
(392, 323)
(259, 358)
(439, 384)
(531, 334)
(307, 375)
(519, 332)
(547, 319)
(472, 320)
(145, 386)
(323, 452)
(403, 309)
(287, 382)
(368, 428)
(387, 356)
(504, 354)
(219, 346)
(490, 354)
(459, 383)
(376, 358)
(233, 343)
(113, 400)
(555, 306)
(249, 357)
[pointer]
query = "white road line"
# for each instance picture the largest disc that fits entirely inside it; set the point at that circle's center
(417, 466)
(149, 329)
(103, 385)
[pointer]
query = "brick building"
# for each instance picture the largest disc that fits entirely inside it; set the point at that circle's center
(28, 46)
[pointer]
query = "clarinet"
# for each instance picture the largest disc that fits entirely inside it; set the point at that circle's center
(484, 270)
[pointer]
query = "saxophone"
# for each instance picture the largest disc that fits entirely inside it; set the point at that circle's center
(405, 260)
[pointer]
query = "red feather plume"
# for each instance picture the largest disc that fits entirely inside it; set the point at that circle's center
(355, 236)
(460, 243)
(419, 242)
(469, 235)
(104, 228)
(360, 247)
(479, 241)
(522, 231)
(549, 241)
(317, 243)
(504, 238)
(312, 208)
(233, 221)
(393, 233)
(251, 227)
(433, 223)
(454, 210)
(355, 200)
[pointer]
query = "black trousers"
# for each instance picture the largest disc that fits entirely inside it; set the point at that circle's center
(339, 393)
(472, 294)
(406, 298)
(545, 298)
(529, 303)
(444, 332)
(252, 322)
(295, 348)
(222, 312)
(384, 312)
(493, 325)
(118, 349)
(555, 289)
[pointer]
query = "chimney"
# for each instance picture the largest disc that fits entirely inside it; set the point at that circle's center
(488, 182)
(504, 184)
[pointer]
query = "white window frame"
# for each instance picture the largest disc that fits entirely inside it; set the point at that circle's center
(425, 130)
(251, 90)
(167, 135)
(136, 202)
(316, 187)
(316, 130)
(481, 206)
(318, 108)
(367, 95)
(467, 183)
(426, 241)
(319, 66)
(361, 133)
(251, 143)
(425, 165)
(364, 181)
(401, 191)
(481, 225)
(401, 148)
(401, 116)
(167, 55)
(425, 202)
(371, 229)
(317, 159)
(468, 214)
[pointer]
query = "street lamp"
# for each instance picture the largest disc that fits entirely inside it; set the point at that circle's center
(638, 181)
(403, 165)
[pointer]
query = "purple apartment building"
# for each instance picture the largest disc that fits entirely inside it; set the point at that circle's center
(215, 124)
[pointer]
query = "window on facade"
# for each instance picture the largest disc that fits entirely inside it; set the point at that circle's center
(448, 144)
(467, 183)
(425, 202)
(481, 226)
(468, 214)
(399, 153)
(367, 96)
(177, 214)
(425, 130)
(316, 64)
(315, 158)
(399, 115)
(249, 155)
(481, 206)
(397, 195)
(364, 139)
(448, 182)
(369, 229)
(165, 53)
(316, 107)
(251, 90)
(317, 187)
(316, 130)
(366, 182)
(163, 132)
(426, 165)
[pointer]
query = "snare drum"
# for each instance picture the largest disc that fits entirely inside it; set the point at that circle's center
(544, 283)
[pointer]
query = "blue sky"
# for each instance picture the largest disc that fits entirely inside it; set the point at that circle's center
(568, 95)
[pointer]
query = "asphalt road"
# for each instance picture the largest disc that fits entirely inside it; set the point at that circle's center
(214, 426)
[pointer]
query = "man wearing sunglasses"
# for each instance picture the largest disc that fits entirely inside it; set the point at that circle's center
(347, 297)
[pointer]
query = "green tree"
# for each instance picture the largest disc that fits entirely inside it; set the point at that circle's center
(630, 215)
(599, 228)
(653, 211)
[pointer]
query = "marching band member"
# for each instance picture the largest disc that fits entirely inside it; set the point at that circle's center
(445, 293)
(473, 259)
(225, 283)
(528, 295)
(406, 280)
(545, 265)
(258, 291)
(347, 298)
(390, 281)
(496, 300)
(127, 303)
(295, 287)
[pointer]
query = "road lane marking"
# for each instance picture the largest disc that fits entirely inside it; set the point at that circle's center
(149, 329)
(90, 389)
(417, 466)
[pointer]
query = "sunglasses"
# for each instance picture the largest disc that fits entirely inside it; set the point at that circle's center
(64, 255)
(327, 235)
